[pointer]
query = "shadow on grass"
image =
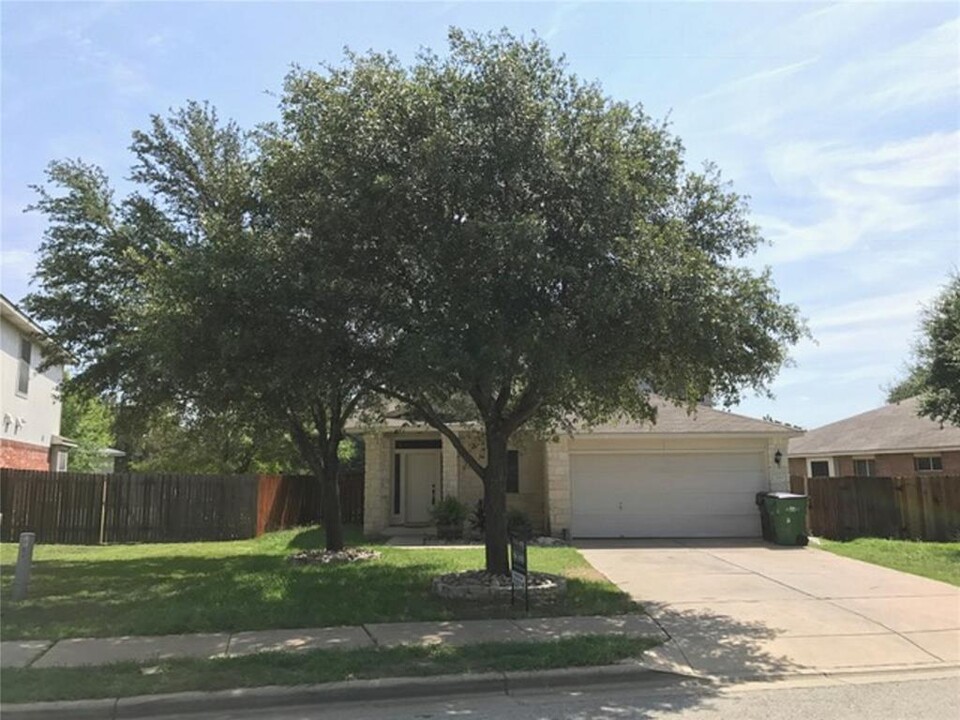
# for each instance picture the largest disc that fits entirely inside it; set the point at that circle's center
(252, 586)
(313, 539)
(174, 594)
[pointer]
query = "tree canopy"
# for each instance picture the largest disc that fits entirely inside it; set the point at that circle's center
(934, 374)
(540, 248)
(481, 225)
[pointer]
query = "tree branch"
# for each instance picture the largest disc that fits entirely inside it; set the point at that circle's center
(433, 419)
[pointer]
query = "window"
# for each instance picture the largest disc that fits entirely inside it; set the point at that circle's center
(513, 471)
(864, 467)
(417, 444)
(61, 460)
(928, 463)
(23, 369)
(819, 468)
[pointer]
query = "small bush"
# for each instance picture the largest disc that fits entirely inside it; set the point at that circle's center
(478, 519)
(518, 523)
(449, 512)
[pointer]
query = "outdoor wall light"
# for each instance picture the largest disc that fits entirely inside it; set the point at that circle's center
(777, 457)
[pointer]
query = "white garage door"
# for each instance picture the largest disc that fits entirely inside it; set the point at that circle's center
(691, 495)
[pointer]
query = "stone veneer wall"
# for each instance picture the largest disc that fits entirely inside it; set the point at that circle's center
(530, 499)
(779, 474)
(376, 473)
(556, 467)
(450, 468)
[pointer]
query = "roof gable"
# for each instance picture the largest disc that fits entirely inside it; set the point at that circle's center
(673, 420)
(891, 428)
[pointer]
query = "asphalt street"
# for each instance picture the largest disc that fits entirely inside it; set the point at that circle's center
(929, 697)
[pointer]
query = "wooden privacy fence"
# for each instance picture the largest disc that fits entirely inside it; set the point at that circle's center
(80, 508)
(291, 500)
(920, 508)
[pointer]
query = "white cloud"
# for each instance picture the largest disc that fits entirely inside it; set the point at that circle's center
(919, 72)
(860, 194)
(874, 310)
(755, 82)
(12, 259)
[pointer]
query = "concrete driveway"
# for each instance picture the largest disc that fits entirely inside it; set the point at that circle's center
(743, 608)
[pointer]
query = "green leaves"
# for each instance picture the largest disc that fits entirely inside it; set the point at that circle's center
(934, 376)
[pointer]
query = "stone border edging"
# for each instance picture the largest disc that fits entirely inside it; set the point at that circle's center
(146, 706)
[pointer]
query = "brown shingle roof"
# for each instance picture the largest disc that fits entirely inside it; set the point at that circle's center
(671, 420)
(890, 428)
(675, 420)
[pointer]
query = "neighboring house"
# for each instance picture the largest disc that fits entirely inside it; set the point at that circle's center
(685, 476)
(890, 441)
(29, 433)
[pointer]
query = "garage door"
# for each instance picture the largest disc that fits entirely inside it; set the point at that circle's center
(690, 495)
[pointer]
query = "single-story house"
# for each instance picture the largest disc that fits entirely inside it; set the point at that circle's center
(891, 441)
(687, 475)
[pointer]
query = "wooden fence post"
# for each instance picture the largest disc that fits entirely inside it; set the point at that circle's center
(103, 511)
(21, 577)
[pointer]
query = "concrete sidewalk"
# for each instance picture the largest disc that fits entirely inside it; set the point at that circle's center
(75, 652)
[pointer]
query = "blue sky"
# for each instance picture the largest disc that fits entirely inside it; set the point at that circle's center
(840, 121)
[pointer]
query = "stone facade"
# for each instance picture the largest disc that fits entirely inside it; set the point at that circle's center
(545, 491)
(377, 471)
(457, 478)
(24, 456)
(779, 474)
(556, 465)
(449, 466)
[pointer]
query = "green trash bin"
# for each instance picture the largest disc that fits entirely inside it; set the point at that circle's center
(786, 516)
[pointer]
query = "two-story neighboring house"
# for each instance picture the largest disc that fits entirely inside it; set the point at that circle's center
(29, 399)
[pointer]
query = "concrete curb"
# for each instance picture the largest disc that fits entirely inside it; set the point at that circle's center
(146, 706)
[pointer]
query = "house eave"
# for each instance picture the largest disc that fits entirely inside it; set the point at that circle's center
(874, 451)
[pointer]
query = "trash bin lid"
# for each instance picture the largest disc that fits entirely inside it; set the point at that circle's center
(784, 495)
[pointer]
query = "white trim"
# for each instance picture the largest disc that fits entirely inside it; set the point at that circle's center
(861, 458)
(831, 467)
(401, 517)
(865, 453)
(670, 451)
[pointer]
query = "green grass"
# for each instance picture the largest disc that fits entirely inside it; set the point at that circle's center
(89, 591)
(935, 560)
(127, 679)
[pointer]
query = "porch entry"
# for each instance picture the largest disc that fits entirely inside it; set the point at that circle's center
(417, 478)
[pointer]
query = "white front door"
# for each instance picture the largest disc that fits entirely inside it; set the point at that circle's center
(421, 472)
(690, 495)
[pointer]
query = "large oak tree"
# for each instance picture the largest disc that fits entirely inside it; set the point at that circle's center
(193, 291)
(480, 225)
(541, 249)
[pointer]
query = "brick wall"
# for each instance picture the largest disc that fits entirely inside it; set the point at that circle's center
(887, 464)
(24, 456)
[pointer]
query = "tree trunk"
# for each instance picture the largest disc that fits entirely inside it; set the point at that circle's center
(330, 501)
(495, 504)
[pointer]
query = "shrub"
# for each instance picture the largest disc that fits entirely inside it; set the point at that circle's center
(518, 523)
(449, 512)
(478, 520)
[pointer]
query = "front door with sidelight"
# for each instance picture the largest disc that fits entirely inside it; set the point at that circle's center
(421, 484)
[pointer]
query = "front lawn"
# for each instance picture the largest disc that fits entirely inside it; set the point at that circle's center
(935, 560)
(159, 589)
(127, 679)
